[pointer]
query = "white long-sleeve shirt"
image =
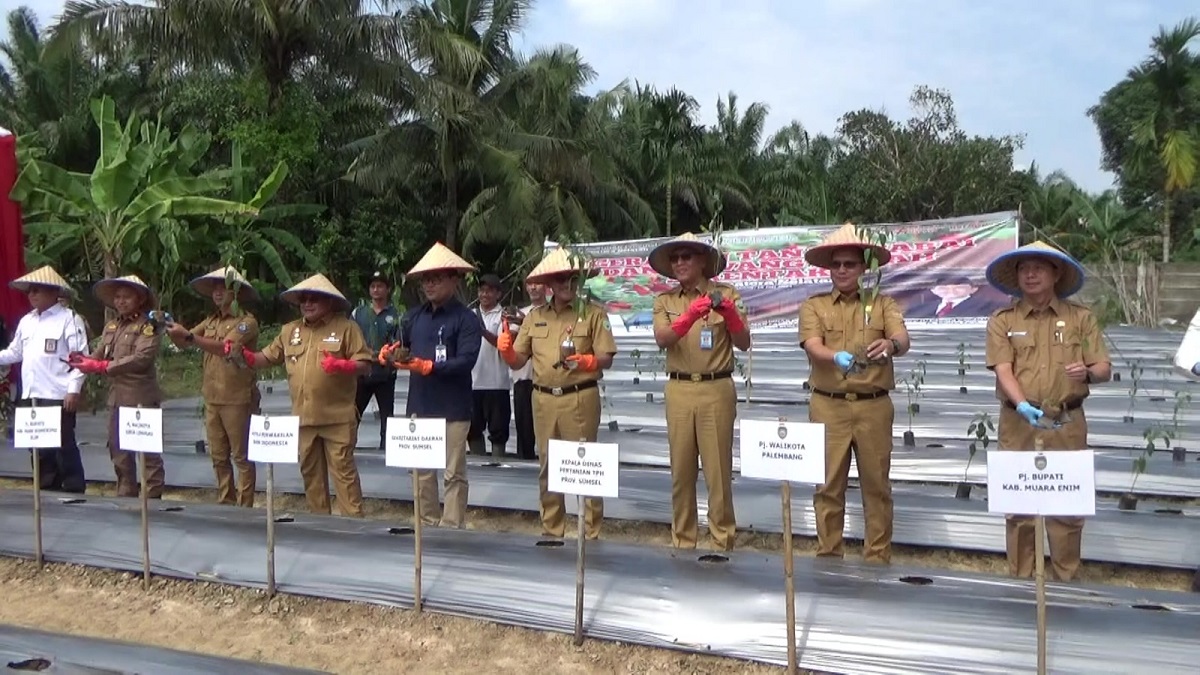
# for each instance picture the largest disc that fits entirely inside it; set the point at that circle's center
(40, 344)
(490, 372)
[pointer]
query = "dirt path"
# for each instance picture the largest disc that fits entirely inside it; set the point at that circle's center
(338, 637)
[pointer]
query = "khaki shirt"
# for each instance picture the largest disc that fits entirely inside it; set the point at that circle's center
(545, 328)
(131, 347)
(225, 383)
(838, 319)
(1041, 343)
(686, 356)
(318, 397)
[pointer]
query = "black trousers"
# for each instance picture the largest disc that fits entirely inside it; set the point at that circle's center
(491, 410)
(523, 416)
(61, 467)
(384, 392)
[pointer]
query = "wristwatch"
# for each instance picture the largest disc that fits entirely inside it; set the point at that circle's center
(191, 337)
(895, 346)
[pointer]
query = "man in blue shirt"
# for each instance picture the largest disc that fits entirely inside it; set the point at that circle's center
(380, 324)
(443, 338)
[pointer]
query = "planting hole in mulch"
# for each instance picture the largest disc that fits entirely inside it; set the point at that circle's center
(917, 581)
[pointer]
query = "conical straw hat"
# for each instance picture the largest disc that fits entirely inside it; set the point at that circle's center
(205, 284)
(660, 257)
(42, 276)
(440, 258)
(558, 262)
(317, 283)
(1002, 272)
(105, 289)
(846, 236)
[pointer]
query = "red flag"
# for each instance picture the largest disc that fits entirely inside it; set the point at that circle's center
(13, 305)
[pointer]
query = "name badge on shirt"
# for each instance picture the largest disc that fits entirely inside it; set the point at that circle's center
(439, 354)
(51, 346)
(706, 339)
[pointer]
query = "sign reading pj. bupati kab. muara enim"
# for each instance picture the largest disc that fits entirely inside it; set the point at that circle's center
(775, 450)
(1046, 483)
(37, 427)
(140, 429)
(585, 469)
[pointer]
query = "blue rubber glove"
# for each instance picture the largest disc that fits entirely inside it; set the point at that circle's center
(1029, 412)
(843, 360)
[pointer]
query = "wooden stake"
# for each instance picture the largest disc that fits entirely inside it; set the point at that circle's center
(37, 509)
(417, 546)
(145, 499)
(789, 583)
(270, 530)
(1040, 566)
(749, 369)
(579, 575)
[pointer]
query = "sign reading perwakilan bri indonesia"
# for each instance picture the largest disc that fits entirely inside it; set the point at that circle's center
(936, 272)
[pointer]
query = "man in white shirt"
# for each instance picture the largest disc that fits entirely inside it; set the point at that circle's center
(523, 382)
(490, 383)
(43, 340)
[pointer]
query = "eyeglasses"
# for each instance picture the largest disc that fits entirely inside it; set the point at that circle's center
(676, 257)
(844, 264)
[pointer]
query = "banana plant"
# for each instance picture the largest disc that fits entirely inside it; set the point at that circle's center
(142, 184)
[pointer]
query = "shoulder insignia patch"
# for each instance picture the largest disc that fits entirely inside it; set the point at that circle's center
(740, 305)
(242, 327)
(390, 319)
(148, 330)
(111, 326)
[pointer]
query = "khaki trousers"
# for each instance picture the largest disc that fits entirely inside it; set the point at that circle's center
(228, 428)
(325, 450)
(700, 418)
(569, 417)
(863, 427)
(1065, 534)
(454, 478)
(125, 465)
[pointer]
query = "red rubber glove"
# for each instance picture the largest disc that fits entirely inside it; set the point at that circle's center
(89, 366)
(587, 363)
(733, 319)
(335, 366)
(696, 311)
(247, 355)
(421, 366)
(504, 344)
(386, 351)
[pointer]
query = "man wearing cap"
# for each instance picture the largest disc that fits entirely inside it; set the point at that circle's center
(128, 355)
(380, 324)
(491, 409)
(566, 397)
(523, 380)
(324, 353)
(42, 343)
(442, 336)
(1045, 350)
(699, 324)
(230, 392)
(851, 337)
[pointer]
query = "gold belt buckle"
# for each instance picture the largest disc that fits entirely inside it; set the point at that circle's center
(851, 396)
(557, 391)
(696, 377)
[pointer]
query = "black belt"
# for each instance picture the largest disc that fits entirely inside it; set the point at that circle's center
(559, 391)
(1069, 405)
(700, 377)
(852, 396)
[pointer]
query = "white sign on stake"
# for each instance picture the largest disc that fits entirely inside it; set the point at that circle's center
(791, 451)
(37, 427)
(140, 429)
(415, 443)
(1046, 483)
(584, 469)
(274, 440)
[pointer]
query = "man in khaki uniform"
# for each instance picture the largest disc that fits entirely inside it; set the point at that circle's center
(566, 397)
(851, 340)
(1045, 350)
(230, 392)
(701, 398)
(127, 355)
(324, 352)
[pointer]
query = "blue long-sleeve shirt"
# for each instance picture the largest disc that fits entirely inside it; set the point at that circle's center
(446, 391)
